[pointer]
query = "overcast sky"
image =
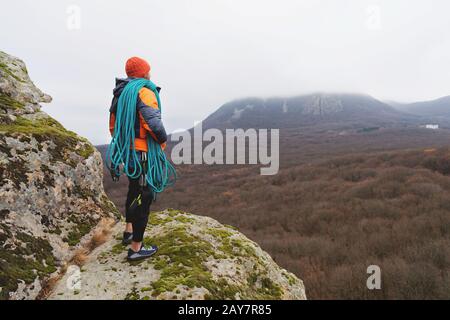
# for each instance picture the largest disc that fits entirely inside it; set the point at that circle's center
(206, 52)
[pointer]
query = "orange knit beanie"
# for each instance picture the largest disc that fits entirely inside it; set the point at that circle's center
(137, 67)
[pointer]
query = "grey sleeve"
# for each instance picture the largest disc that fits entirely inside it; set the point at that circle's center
(152, 117)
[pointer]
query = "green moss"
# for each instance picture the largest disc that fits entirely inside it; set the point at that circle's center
(252, 279)
(269, 289)
(184, 219)
(133, 295)
(82, 192)
(291, 279)
(9, 103)
(186, 255)
(118, 248)
(236, 247)
(180, 259)
(220, 233)
(231, 246)
(74, 236)
(31, 259)
(56, 230)
(156, 220)
(86, 151)
(109, 207)
(5, 69)
(82, 228)
(173, 212)
(24, 70)
(160, 262)
(45, 129)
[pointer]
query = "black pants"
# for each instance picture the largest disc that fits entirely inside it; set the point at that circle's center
(137, 212)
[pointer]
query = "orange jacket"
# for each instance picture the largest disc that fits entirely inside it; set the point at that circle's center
(148, 120)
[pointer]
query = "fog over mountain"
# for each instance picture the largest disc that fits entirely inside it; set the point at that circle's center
(338, 110)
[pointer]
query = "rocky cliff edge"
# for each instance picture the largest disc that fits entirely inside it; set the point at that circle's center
(50, 187)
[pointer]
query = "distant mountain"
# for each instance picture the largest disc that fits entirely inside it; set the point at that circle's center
(434, 108)
(337, 110)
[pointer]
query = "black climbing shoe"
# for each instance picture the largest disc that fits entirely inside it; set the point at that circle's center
(127, 238)
(144, 253)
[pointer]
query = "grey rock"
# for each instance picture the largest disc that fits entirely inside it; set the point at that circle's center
(50, 187)
(16, 83)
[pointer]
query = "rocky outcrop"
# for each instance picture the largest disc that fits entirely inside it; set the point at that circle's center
(198, 258)
(50, 186)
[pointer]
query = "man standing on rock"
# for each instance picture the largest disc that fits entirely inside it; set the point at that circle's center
(148, 125)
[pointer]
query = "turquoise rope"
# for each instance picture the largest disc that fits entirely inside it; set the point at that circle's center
(122, 156)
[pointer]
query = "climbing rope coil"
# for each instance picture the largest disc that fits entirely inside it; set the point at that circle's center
(122, 157)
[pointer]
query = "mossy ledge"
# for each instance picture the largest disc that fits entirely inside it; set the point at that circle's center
(46, 128)
(198, 258)
(10, 73)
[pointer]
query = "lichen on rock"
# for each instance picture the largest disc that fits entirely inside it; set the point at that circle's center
(198, 258)
(50, 186)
